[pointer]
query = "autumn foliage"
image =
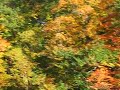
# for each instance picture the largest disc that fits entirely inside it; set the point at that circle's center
(111, 32)
(102, 78)
(59, 45)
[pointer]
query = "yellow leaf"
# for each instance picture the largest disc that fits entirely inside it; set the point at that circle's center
(2, 26)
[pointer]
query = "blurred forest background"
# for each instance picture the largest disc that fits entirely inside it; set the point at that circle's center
(59, 44)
